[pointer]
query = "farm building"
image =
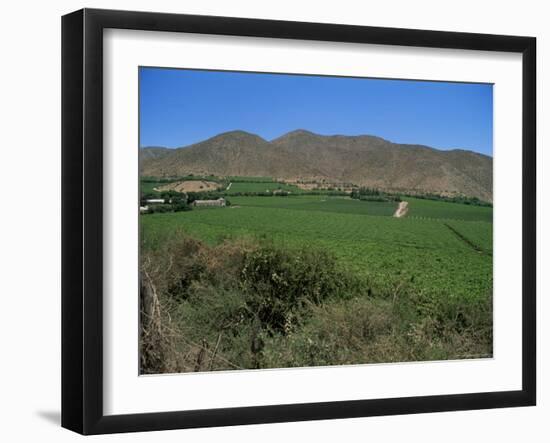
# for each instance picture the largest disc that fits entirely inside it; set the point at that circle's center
(210, 203)
(155, 200)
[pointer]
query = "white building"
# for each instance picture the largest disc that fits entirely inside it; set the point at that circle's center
(220, 202)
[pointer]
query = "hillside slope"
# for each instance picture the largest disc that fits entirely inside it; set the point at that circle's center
(362, 160)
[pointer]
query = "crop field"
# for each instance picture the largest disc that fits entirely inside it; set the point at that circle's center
(364, 237)
(260, 186)
(446, 210)
(478, 233)
(148, 186)
(250, 179)
(314, 280)
(321, 203)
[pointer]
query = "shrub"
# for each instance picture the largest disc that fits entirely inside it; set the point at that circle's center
(244, 303)
(283, 282)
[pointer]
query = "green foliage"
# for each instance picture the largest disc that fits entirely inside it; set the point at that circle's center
(478, 233)
(460, 199)
(260, 187)
(166, 195)
(425, 208)
(285, 281)
(173, 202)
(380, 248)
(374, 195)
(383, 329)
(249, 304)
(242, 179)
(311, 280)
(171, 207)
(322, 203)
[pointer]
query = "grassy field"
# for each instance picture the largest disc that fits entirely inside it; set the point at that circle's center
(148, 186)
(360, 234)
(312, 280)
(260, 186)
(321, 203)
(243, 179)
(446, 210)
(478, 233)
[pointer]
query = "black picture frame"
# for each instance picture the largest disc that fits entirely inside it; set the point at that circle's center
(82, 231)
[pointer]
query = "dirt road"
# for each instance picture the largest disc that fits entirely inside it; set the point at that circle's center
(402, 209)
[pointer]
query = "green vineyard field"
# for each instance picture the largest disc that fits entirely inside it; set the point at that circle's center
(442, 248)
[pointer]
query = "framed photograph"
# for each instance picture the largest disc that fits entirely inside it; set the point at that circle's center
(268, 221)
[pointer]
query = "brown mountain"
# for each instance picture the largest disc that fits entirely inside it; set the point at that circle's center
(152, 152)
(363, 160)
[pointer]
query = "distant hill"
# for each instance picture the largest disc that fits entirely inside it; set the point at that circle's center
(363, 160)
(153, 152)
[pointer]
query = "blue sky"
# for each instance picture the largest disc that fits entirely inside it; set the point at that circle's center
(180, 107)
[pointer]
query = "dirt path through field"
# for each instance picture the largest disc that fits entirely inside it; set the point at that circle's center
(402, 209)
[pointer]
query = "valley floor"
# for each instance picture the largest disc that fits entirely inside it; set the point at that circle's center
(424, 261)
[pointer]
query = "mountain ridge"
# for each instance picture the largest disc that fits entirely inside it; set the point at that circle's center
(364, 160)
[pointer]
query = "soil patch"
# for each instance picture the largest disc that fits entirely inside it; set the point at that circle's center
(189, 186)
